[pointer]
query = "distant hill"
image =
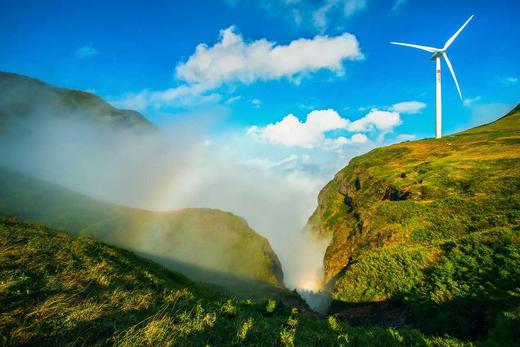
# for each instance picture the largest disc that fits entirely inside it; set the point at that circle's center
(59, 134)
(206, 244)
(56, 290)
(432, 226)
(23, 99)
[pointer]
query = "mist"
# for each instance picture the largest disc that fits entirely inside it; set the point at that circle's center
(178, 166)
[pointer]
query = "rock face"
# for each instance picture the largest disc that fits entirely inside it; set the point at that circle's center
(399, 215)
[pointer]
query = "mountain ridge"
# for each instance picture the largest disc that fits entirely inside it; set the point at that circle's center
(14, 89)
(231, 245)
(399, 215)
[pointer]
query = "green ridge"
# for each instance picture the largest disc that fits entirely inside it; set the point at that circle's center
(206, 244)
(25, 99)
(432, 225)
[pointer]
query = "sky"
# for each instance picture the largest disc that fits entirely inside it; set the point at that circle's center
(290, 85)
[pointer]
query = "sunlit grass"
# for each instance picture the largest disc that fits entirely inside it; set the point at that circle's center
(56, 289)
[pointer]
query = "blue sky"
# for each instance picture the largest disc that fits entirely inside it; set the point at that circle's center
(142, 55)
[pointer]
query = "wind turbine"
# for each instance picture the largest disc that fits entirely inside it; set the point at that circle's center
(437, 54)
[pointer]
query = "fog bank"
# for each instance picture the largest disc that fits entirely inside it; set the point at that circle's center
(175, 167)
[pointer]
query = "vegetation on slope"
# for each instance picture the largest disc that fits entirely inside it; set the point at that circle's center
(206, 244)
(57, 289)
(56, 133)
(23, 99)
(433, 225)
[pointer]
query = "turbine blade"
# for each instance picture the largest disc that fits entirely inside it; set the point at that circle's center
(424, 48)
(452, 73)
(451, 39)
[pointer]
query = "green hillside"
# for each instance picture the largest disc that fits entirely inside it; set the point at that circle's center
(430, 228)
(206, 244)
(24, 99)
(56, 289)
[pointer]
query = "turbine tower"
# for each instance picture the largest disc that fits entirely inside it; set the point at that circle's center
(437, 54)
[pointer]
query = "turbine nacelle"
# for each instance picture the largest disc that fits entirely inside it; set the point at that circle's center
(437, 55)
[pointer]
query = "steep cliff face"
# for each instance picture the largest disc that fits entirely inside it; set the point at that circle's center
(399, 216)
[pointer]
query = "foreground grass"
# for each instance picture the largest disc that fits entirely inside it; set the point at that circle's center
(56, 289)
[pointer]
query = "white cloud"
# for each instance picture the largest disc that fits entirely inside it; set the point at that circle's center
(256, 103)
(341, 141)
(511, 79)
(398, 5)
(471, 101)
(320, 15)
(232, 99)
(359, 138)
(353, 6)
(291, 162)
(184, 95)
(376, 120)
(292, 132)
(86, 51)
(138, 101)
(233, 60)
(409, 107)
(406, 137)
(317, 13)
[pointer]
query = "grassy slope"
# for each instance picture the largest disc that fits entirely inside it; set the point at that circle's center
(433, 224)
(23, 97)
(206, 244)
(56, 289)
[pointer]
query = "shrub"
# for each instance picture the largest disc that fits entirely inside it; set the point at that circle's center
(270, 306)
(476, 279)
(381, 273)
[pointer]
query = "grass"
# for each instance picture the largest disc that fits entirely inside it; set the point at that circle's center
(412, 223)
(381, 274)
(477, 277)
(206, 244)
(72, 104)
(58, 289)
